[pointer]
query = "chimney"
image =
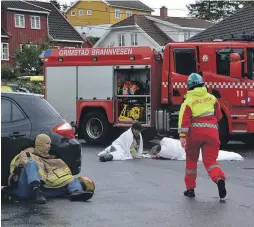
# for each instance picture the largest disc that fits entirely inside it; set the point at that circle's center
(163, 11)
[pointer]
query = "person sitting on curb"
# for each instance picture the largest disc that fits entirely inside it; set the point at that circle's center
(35, 175)
(129, 145)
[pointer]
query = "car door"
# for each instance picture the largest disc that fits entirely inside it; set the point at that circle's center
(15, 134)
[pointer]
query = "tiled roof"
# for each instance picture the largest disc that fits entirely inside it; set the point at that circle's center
(131, 5)
(59, 27)
(22, 5)
(4, 32)
(148, 26)
(239, 22)
(186, 21)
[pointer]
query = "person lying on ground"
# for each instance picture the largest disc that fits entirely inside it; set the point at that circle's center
(35, 175)
(171, 149)
(128, 145)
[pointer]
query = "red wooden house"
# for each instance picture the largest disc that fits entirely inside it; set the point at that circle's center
(33, 23)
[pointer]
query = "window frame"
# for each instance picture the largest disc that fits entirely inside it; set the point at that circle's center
(232, 51)
(31, 21)
(13, 103)
(8, 54)
(175, 60)
(134, 39)
(89, 14)
(81, 14)
(117, 11)
(128, 13)
(19, 21)
(121, 40)
(28, 45)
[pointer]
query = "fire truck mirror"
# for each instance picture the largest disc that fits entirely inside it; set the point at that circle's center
(235, 65)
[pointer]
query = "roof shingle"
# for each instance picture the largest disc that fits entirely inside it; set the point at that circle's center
(186, 21)
(148, 26)
(22, 5)
(239, 22)
(59, 27)
(131, 5)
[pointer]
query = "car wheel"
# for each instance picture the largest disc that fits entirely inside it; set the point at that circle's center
(95, 128)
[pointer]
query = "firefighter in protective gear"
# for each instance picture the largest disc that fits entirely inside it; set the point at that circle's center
(198, 128)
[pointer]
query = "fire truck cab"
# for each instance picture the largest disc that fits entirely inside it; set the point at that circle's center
(99, 89)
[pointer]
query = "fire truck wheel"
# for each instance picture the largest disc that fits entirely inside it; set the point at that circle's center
(223, 131)
(148, 134)
(95, 128)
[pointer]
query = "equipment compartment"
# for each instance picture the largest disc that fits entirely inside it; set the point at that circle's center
(132, 81)
(132, 94)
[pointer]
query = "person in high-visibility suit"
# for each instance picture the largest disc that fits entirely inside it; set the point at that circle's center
(198, 128)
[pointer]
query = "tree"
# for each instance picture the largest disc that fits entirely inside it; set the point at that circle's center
(93, 39)
(215, 10)
(65, 7)
(56, 3)
(28, 60)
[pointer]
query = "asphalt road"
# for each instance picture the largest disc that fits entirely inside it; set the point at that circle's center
(146, 193)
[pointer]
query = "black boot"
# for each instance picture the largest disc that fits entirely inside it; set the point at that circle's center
(81, 196)
(38, 196)
(106, 157)
(221, 188)
(190, 193)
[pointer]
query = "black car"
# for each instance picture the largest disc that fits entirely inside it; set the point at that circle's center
(26, 115)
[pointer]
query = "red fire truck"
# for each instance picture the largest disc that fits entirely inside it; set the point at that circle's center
(99, 89)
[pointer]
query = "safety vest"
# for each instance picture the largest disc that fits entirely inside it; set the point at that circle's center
(199, 102)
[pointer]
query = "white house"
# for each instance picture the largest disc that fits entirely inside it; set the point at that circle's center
(154, 31)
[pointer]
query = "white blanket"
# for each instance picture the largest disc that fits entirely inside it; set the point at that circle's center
(172, 149)
(122, 145)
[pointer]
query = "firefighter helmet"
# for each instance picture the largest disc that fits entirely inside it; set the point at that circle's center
(87, 183)
(195, 80)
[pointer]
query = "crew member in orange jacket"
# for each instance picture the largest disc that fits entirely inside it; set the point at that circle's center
(198, 128)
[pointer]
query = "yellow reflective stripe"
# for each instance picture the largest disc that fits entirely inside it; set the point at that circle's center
(191, 171)
(58, 181)
(212, 167)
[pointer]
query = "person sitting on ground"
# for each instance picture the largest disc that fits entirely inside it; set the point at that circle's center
(35, 175)
(128, 146)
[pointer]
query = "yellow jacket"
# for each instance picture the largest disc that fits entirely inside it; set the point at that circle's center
(198, 103)
(53, 172)
(6, 88)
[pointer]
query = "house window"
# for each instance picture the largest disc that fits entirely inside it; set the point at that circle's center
(35, 22)
(185, 61)
(73, 13)
(19, 21)
(5, 51)
(128, 13)
(117, 13)
(121, 41)
(186, 35)
(89, 12)
(223, 60)
(81, 12)
(134, 39)
(28, 45)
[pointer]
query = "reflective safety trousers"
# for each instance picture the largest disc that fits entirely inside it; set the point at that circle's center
(206, 139)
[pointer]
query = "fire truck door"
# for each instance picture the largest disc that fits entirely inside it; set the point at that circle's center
(224, 87)
(183, 63)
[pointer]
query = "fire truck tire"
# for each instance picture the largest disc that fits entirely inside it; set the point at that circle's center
(148, 134)
(95, 128)
(223, 131)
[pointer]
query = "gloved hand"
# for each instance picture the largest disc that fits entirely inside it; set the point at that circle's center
(183, 142)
